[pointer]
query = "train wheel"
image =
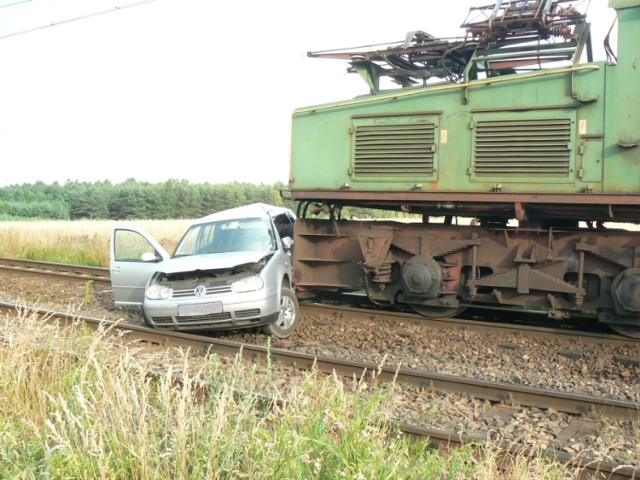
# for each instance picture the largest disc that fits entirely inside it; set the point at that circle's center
(625, 293)
(437, 312)
(632, 331)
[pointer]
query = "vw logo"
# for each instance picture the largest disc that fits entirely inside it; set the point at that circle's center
(200, 290)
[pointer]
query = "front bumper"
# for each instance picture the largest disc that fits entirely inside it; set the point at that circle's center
(239, 310)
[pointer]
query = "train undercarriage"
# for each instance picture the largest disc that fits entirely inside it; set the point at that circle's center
(439, 269)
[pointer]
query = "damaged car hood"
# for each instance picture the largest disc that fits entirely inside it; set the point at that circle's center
(213, 261)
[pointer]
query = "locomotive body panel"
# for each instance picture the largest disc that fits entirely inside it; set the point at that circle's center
(542, 125)
(622, 113)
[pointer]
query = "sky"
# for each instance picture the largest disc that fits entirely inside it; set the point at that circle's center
(199, 90)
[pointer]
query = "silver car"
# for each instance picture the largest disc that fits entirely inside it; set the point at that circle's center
(230, 270)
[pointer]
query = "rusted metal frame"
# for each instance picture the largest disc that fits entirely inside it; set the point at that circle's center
(538, 13)
(474, 274)
(619, 259)
(387, 49)
(520, 280)
(511, 52)
(374, 253)
(580, 298)
(367, 288)
(375, 245)
(579, 293)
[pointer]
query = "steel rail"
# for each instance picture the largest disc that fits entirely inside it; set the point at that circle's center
(510, 394)
(587, 467)
(482, 326)
(97, 274)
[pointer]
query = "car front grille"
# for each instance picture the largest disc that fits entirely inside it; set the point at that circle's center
(189, 292)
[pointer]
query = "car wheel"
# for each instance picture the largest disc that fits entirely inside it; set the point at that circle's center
(288, 318)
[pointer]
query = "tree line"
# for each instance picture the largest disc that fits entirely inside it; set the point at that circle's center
(131, 199)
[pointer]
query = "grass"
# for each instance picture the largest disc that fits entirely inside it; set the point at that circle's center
(72, 405)
(83, 242)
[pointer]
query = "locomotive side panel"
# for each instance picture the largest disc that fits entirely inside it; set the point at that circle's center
(622, 157)
(522, 132)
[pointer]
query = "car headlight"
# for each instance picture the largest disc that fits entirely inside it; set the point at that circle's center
(247, 284)
(158, 292)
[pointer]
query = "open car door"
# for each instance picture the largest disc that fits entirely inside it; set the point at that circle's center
(134, 257)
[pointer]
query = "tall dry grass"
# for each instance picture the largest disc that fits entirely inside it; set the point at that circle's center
(83, 242)
(72, 405)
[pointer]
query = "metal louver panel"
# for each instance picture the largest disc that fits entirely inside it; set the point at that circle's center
(536, 147)
(398, 150)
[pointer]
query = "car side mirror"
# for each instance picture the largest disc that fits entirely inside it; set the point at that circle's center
(287, 242)
(149, 257)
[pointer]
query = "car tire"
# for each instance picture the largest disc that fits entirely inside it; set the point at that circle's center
(288, 318)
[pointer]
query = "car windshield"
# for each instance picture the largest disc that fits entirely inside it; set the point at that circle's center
(239, 235)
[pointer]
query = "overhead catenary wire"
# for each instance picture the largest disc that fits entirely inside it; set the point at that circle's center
(74, 19)
(18, 2)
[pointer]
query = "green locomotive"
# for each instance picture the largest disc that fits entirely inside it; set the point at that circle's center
(511, 151)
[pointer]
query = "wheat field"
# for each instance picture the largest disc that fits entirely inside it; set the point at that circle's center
(83, 242)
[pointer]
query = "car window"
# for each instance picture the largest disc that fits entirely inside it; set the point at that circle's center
(227, 236)
(284, 225)
(195, 240)
(130, 246)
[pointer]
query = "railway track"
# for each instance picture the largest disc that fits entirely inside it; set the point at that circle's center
(583, 408)
(505, 399)
(96, 274)
(507, 394)
(102, 275)
(586, 337)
